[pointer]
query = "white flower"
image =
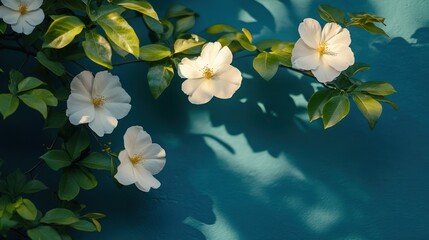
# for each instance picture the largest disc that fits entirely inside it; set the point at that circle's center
(98, 100)
(210, 74)
(140, 160)
(22, 15)
(325, 52)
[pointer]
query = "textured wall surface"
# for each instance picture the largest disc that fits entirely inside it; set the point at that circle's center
(252, 167)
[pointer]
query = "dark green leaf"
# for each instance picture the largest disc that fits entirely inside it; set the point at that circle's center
(220, 28)
(77, 143)
(104, 10)
(331, 14)
(16, 182)
(154, 52)
(29, 83)
(56, 119)
(266, 64)
(68, 188)
(60, 216)
(26, 209)
(15, 77)
(56, 67)
(385, 100)
(376, 88)
(84, 225)
(120, 32)
(94, 215)
(98, 49)
(153, 24)
(335, 110)
(8, 104)
(143, 7)
(3, 27)
(62, 31)
(159, 78)
(43, 232)
(57, 159)
(178, 10)
(184, 24)
(34, 186)
(96, 161)
(369, 107)
(317, 102)
(84, 178)
(370, 27)
(355, 68)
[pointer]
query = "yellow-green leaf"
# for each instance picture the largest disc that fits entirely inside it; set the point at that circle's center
(369, 107)
(159, 78)
(143, 7)
(98, 49)
(266, 64)
(154, 52)
(8, 104)
(335, 110)
(62, 31)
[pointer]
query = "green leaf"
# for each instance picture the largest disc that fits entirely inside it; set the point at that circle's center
(68, 188)
(385, 100)
(120, 32)
(96, 224)
(27, 210)
(98, 49)
(266, 44)
(43, 232)
(45, 95)
(376, 88)
(331, 14)
(15, 77)
(57, 159)
(266, 64)
(77, 143)
(75, 5)
(371, 28)
(84, 178)
(335, 110)
(29, 83)
(60, 216)
(104, 10)
(159, 78)
(153, 24)
(94, 215)
(178, 10)
(244, 42)
(56, 119)
(220, 28)
(56, 67)
(38, 99)
(154, 52)
(181, 45)
(62, 31)
(34, 186)
(369, 107)
(184, 24)
(16, 182)
(3, 27)
(8, 104)
(283, 51)
(96, 161)
(247, 34)
(143, 7)
(355, 68)
(317, 102)
(84, 225)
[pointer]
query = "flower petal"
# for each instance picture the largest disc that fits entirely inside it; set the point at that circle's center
(125, 174)
(82, 84)
(342, 37)
(103, 81)
(103, 122)
(136, 140)
(9, 16)
(154, 166)
(12, 4)
(145, 180)
(227, 83)
(189, 68)
(79, 109)
(342, 58)
(325, 73)
(203, 93)
(21, 26)
(329, 31)
(210, 51)
(153, 151)
(190, 85)
(34, 4)
(118, 110)
(222, 60)
(304, 57)
(310, 32)
(116, 95)
(34, 18)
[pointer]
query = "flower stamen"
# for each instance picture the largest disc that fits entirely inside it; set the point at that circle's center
(23, 9)
(98, 101)
(323, 48)
(136, 159)
(207, 72)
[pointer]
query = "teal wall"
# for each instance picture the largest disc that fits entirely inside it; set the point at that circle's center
(252, 167)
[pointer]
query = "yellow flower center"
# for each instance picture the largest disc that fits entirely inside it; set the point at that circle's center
(136, 159)
(323, 48)
(98, 101)
(207, 73)
(23, 9)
